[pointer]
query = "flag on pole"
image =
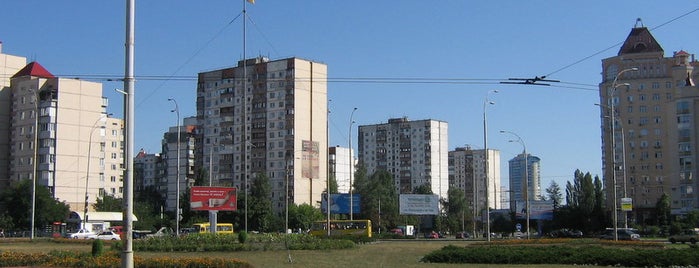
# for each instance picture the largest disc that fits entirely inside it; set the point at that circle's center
(251, 1)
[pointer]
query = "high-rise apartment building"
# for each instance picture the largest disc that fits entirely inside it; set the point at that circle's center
(467, 173)
(414, 152)
(61, 135)
(265, 117)
(147, 171)
(520, 166)
(340, 159)
(9, 66)
(185, 161)
(650, 140)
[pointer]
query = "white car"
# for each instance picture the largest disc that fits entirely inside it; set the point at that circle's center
(106, 235)
(81, 234)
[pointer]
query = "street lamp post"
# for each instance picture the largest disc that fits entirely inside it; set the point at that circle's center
(34, 158)
(87, 173)
(485, 164)
(177, 180)
(610, 97)
(351, 166)
(526, 175)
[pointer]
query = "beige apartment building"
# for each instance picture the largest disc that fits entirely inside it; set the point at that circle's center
(414, 152)
(61, 135)
(467, 173)
(650, 146)
(266, 117)
(9, 66)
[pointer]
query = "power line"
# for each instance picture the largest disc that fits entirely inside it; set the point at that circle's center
(620, 43)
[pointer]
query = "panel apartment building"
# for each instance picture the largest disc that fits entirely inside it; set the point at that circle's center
(9, 66)
(467, 173)
(414, 152)
(61, 134)
(650, 148)
(266, 117)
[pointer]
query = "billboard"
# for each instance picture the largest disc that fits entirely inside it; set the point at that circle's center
(310, 164)
(419, 204)
(213, 198)
(626, 204)
(540, 210)
(340, 203)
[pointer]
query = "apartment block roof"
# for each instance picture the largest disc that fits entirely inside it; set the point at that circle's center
(34, 69)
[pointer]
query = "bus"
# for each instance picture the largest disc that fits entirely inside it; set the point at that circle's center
(221, 228)
(342, 228)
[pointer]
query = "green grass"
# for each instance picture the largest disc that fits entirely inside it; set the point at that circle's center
(396, 253)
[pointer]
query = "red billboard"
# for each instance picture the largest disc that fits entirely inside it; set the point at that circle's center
(213, 198)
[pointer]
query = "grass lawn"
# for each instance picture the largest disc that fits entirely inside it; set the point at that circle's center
(397, 253)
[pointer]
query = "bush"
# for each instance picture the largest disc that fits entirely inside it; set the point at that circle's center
(72, 259)
(242, 237)
(588, 255)
(97, 247)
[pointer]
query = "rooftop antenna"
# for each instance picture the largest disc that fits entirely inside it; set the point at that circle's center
(639, 23)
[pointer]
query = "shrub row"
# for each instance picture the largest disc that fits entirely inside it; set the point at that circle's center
(588, 255)
(72, 259)
(213, 242)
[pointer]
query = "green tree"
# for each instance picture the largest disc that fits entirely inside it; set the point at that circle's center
(662, 208)
(456, 213)
(15, 201)
(260, 214)
(554, 194)
(423, 189)
(108, 203)
(379, 192)
(302, 216)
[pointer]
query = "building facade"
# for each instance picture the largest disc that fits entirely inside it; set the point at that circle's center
(467, 173)
(520, 166)
(341, 161)
(269, 118)
(650, 139)
(9, 66)
(414, 152)
(59, 135)
(171, 161)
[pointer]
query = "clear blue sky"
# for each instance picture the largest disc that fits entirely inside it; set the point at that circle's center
(487, 41)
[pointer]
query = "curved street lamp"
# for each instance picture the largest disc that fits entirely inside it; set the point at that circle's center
(485, 165)
(177, 180)
(610, 97)
(351, 161)
(87, 173)
(526, 175)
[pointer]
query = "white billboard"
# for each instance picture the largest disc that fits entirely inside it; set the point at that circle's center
(419, 204)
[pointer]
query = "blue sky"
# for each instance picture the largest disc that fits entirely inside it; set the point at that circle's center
(484, 41)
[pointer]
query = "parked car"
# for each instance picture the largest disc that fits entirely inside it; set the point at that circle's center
(432, 234)
(690, 235)
(463, 235)
(622, 234)
(80, 234)
(566, 233)
(106, 235)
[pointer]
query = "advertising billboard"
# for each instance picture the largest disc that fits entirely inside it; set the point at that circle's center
(310, 164)
(419, 204)
(540, 210)
(213, 198)
(340, 203)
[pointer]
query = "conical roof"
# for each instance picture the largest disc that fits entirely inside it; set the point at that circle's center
(640, 41)
(34, 69)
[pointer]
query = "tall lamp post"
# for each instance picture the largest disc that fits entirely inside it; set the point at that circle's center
(177, 180)
(87, 173)
(526, 175)
(351, 162)
(34, 158)
(485, 164)
(610, 97)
